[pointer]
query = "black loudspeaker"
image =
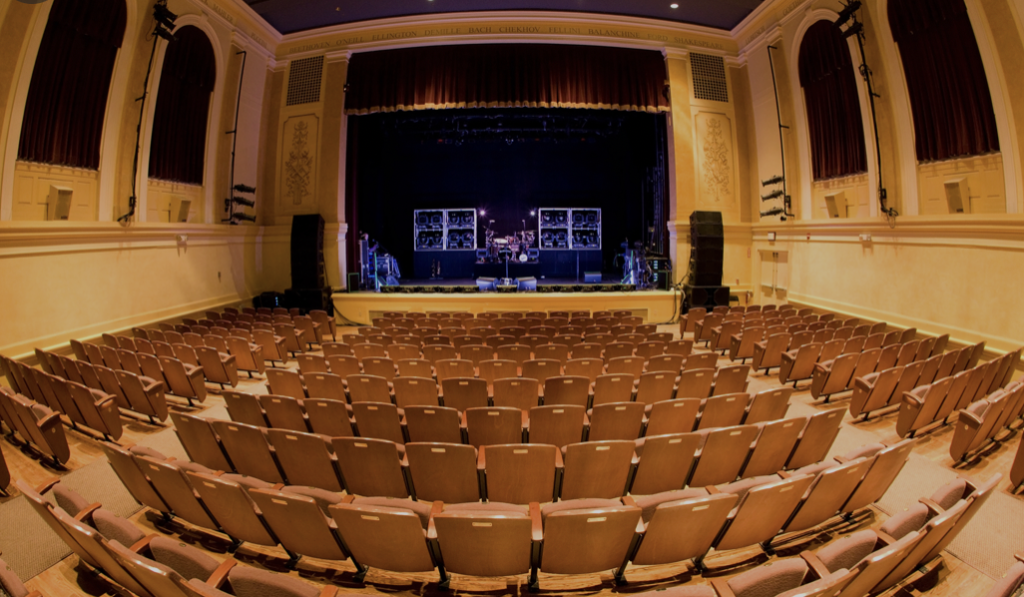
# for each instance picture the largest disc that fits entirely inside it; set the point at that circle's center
(308, 252)
(707, 243)
(705, 296)
(309, 299)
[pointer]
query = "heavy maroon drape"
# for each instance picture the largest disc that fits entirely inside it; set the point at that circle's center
(67, 97)
(833, 108)
(949, 93)
(182, 105)
(509, 75)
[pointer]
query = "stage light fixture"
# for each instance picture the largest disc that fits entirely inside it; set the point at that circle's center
(163, 33)
(483, 212)
(673, 6)
(852, 30)
(773, 180)
(773, 212)
(533, 212)
(164, 16)
(241, 188)
(847, 13)
(240, 217)
(773, 195)
(243, 201)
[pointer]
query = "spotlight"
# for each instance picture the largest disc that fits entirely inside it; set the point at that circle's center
(852, 30)
(243, 201)
(847, 13)
(241, 188)
(773, 180)
(773, 212)
(533, 212)
(164, 16)
(236, 218)
(773, 195)
(483, 212)
(163, 33)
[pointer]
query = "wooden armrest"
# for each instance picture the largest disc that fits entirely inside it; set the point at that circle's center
(88, 511)
(348, 499)
(278, 486)
(481, 460)
(969, 418)
(627, 500)
(537, 526)
(785, 474)
(885, 538)
(34, 594)
(815, 564)
(143, 543)
(932, 505)
(1019, 557)
(721, 586)
(47, 486)
(841, 459)
(329, 591)
(559, 463)
(221, 573)
(712, 490)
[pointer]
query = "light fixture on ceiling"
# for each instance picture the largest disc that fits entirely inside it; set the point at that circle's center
(673, 6)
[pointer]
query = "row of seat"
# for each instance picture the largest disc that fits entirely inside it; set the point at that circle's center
(666, 528)
(83, 406)
(838, 374)
(217, 367)
(980, 423)
(884, 389)
(688, 322)
(722, 336)
(800, 363)
(661, 462)
(39, 427)
(239, 344)
(741, 344)
(143, 389)
(508, 416)
(934, 402)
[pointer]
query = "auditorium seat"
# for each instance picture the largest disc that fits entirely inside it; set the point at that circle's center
(38, 425)
(695, 383)
(668, 363)
(816, 438)
(299, 524)
(367, 388)
(654, 387)
(218, 368)
(463, 392)
(671, 416)
(183, 380)
(486, 426)
(798, 364)
(873, 391)
(98, 409)
(589, 367)
(229, 502)
(284, 412)
(731, 380)
(433, 423)
(616, 421)
(371, 467)
(379, 366)
(489, 540)
(596, 469)
(605, 527)
(145, 395)
(768, 405)
(726, 410)
(452, 368)
(444, 472)
(248, 449)
(566, 390)
(722, 454)
(388, 534)
(520, 474)
(306, 459)
(495, 369)
(665, 462)
(379, 420)
(831, 489)
(541, 369)
(775, 443)
(521, 393)
(613, 387)
(762, 511)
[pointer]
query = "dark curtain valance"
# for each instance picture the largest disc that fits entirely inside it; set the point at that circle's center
(67, 97)
(833, 107)
(949, 93)
(182, 106)
(509, 75)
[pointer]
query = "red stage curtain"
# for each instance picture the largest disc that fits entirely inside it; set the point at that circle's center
(949, 93)
(508, 75)
(182, 105)
(833, 108)
(67, 97)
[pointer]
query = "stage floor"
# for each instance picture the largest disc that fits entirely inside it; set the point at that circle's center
(654, 306)
(605, 279)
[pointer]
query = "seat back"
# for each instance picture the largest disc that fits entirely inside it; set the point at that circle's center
(284, 412)
(370, 467)
(763, 511)
(485, 543)
(557, 425)
(487, 426)
(695, 383)
(451, 368)
(415, 391)
(817, 438)
(328, 417)
(596, 469)
(433, 424)
(378, 420)
(830, 490)
(665, 462)
(445, 472)
(567, 390)
(726, 410)
(520, 474)
(656, 387)
(306, 459)
(176, 491)
(379, 366)
(768, 405)
(464, 392)
(673, 416)
(248, 450)
(700, 519)
(127, 470)
(230, 504)
(722, 454)
(886, 466)
(389, 538)
(607, 533)
(616, 421)
(368, 388)
(521, 393)
(299, 524)
(775, 444)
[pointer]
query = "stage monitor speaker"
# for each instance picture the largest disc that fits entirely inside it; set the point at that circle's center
(528, 284)
(705, 296)
(485, 284)
(307, 245)
(592, 277)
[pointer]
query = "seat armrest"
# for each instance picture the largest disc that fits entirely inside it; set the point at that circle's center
(481, 460)
(627, 500)
(87, 511)
(933, 507)
(348, 499)
(47, 486)
(143, 543)
(436, 508)
(841, 459)
(712, 490)
(815, 564)
(970, 419)
(885, 538)
(537, 524)
(329, 591)
(559, 462)
(221, 573)
(1019, 557)
(721, 586)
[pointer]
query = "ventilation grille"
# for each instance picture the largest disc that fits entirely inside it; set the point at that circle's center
(709, 78)
(304, 81)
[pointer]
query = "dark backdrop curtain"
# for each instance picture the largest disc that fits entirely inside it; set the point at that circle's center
(833, 108)
(509, 75)
(67, 96)
(179, 124)
(949, 93)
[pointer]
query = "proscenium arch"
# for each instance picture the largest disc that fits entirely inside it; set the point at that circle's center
(803, 135)
(212, 122)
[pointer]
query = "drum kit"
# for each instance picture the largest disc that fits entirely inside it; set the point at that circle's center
(515, 247)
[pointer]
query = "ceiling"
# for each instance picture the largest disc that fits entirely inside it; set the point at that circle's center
(290, 16)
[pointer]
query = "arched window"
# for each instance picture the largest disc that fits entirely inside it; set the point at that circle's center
(833, 108)
(949, 93)
(178, 148)
(67, 97)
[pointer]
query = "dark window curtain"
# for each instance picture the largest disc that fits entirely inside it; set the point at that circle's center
(183, 102)
(949, 93)
(67, 96)
(833, 108)
(510, 75)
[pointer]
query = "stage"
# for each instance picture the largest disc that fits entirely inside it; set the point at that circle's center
(654, 306)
